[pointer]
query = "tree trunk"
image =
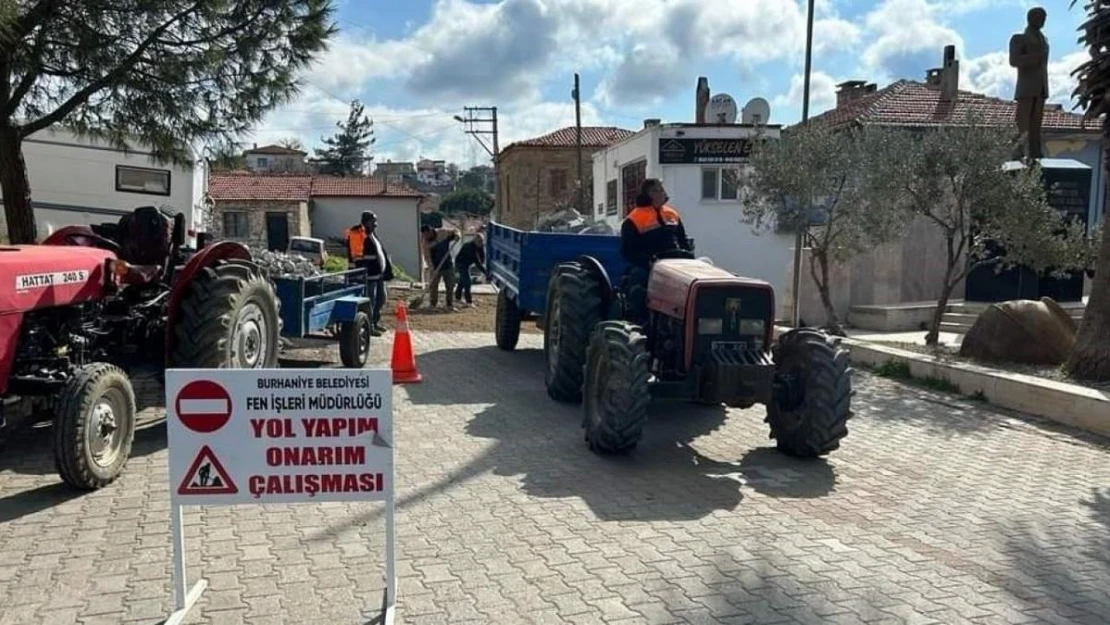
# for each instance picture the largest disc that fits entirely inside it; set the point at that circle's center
(819, 262)
(1090, 358)
(16, 188)
(932, 338)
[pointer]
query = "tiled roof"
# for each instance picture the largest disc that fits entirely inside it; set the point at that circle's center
(247, 186)
(299, 187)
(592, 137)
(274, 149)
(915, 104)
(335, 186)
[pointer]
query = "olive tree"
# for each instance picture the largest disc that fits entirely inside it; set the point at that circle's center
(816, 177)
(988, 215)
(165, 73)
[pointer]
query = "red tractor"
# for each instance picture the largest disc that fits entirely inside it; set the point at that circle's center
(90, 305)
(708, 337)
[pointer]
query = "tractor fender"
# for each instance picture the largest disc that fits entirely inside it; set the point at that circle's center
(82, 236)
(594, 266)
(210, 255)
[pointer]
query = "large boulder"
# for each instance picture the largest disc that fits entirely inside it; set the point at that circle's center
(1021, 331)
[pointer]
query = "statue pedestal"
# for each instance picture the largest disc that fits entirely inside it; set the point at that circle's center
(1068, 187)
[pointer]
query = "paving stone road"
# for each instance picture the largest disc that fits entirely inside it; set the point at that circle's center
(933, 511)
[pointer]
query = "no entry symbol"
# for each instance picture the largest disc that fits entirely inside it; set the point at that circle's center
(203, 406)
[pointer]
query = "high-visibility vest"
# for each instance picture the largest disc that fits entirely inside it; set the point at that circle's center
(646, 219)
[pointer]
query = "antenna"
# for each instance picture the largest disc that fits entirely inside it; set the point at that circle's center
(757, 111)
(721, 110)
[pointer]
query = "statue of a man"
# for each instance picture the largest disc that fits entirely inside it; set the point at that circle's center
(1029, 54)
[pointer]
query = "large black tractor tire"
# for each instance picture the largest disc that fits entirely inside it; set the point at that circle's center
(354, 341)
(229, 319)
(506, 328)
(811, 418)
(573, 310)
(617, 389)
(94, 426)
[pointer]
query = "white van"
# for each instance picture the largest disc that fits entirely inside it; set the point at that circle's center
(310, 248)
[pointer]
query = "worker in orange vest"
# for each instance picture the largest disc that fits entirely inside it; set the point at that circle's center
(651, 229)
(366, 251)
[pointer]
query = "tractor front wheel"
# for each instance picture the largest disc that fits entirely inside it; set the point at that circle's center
(617, 388)
(810, 409)
(573, 310)
(228, 320)
(354, 341)
(94, 426)
(506, 328)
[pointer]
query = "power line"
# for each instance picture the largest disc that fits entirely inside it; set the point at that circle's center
(476, 127)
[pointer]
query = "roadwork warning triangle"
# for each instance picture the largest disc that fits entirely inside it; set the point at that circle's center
(207, 477)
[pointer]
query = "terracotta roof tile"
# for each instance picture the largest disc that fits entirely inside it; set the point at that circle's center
(299, 187)
(592, 137)
(911, 103)
(246, 186)
(336, 186)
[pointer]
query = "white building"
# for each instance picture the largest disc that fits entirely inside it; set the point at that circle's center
(82, 181)
(698, 165)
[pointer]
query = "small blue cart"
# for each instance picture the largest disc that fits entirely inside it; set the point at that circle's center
(319, 304)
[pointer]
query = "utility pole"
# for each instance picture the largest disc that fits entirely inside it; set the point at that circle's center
(478, 124)
(578, 143)
(803, 223)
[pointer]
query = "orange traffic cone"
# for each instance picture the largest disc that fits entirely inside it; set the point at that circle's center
(404, 359)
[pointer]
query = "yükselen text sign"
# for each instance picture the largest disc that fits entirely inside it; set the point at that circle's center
(254, 436)
(291, 437)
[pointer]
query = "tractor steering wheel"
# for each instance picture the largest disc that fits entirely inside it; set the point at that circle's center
(96, 240)
(675, 253)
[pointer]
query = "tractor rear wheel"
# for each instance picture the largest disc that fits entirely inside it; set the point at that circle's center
(228, 319)
(573, 310)
(506, 327)
(617, 388)
(354, 341)
(810, 409)
(94, 426)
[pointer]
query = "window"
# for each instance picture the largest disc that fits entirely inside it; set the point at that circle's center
(142, 180)
(236, 225)
(632, 176)
(720, 184)
(611, 197)
(709, 184)
(263, 161)
(558, 181)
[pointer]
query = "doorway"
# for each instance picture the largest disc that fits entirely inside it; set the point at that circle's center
(277, 231)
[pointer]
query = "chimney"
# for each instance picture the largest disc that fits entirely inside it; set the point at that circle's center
(852, 90)
(950, 75)
(255, 147)
(946, 78)
(652, 122)
(701, 100)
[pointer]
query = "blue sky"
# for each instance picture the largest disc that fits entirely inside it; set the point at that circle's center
(416, 63)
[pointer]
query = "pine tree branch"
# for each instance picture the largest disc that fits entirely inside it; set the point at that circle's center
(118, 72)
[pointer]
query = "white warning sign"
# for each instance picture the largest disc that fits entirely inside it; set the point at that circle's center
(42, 280)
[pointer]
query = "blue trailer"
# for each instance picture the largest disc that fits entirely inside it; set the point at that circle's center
(521, 266)
(333, 304)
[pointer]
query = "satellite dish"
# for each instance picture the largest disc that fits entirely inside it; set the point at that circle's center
(721, 109)
(756, 111)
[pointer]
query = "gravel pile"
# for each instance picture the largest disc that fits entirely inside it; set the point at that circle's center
(570, 220)
(282, 265)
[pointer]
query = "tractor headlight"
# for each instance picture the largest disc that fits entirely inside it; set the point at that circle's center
(710, 326)
(752, 326)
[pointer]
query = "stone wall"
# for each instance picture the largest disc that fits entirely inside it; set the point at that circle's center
(907, 270)
(256, 218)
(526, 173)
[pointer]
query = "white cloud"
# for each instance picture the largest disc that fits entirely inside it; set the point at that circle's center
(822, 93)
(991, 74)
(408, 134)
